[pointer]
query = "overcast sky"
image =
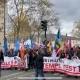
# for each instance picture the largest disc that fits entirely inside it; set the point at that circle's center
(69, 11)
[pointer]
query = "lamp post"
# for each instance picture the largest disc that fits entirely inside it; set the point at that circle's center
(4, 18)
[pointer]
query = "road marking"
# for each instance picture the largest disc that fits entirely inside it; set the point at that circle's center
(27, 74)
(31, 78)
(56, 74)
(32, 75)
(12, 78)
(11, 75)
(21, 75)
(62, 75)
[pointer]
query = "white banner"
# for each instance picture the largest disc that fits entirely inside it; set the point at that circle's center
(14, 62)
(70, 67)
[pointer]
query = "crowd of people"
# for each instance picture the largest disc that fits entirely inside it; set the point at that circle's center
(73, 53)
(35, 56)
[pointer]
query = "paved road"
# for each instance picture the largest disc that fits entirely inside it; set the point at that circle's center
(17, 75)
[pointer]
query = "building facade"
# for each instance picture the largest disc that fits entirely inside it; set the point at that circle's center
(51, 37)
(2, 20)
(1, 25)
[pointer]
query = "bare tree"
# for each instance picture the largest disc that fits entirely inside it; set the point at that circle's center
(18, 17)
(35, 11)
(76, 29)
(43, 10)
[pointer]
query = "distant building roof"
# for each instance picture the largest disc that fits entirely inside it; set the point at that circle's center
(64, 37)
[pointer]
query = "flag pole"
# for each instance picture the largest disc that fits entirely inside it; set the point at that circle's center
(66, 37)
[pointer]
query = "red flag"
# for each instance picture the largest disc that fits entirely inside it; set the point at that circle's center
(69, 43)
(58, 51)
(64, 45)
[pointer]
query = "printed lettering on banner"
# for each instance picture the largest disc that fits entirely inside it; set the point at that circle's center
(13, 62)
(7, 62)
(49, 64)
(59, 65)
(70, 67)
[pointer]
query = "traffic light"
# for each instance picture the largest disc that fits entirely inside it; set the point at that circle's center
(44, 25)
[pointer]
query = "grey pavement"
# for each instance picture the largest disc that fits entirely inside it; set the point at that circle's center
(29, 75)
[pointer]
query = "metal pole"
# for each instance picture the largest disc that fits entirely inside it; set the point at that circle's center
(4, 19)
(45, 43)
(45, 38)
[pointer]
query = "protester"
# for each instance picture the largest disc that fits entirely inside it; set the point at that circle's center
(1, 60)
(78, 52)
(75, 56)
(19, 54)
(38, 65)
(27, 58)
(71, 53)
(33, 59)
(62, 54)
(30, 59)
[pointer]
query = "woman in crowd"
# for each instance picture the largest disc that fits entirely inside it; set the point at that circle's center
(75, 56)
(62, 54)
(78, 52)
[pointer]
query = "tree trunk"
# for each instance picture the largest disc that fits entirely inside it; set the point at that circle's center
(17, 35)
(38, 36)
(14, 37)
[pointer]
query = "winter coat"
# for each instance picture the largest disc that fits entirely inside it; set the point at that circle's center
(38, 62)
